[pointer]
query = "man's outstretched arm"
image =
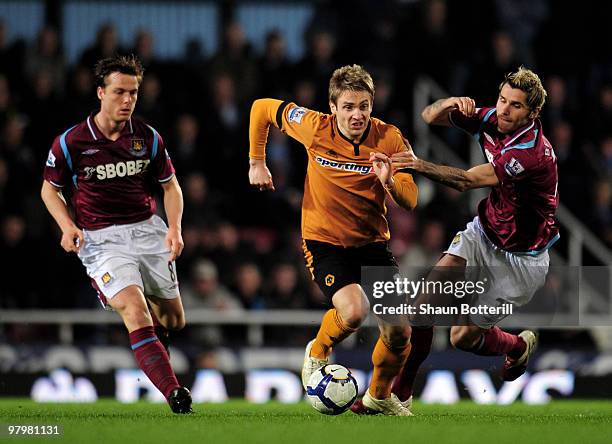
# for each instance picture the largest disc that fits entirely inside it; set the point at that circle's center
(462, 180)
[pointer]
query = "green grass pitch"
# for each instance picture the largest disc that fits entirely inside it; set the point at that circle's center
(108, 421)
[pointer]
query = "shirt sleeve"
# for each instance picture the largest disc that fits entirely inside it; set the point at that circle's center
(57, 171)
(394, 141)
(300, 123)
(293, 120)
(473, 124)
(161, 164)
(407, 192)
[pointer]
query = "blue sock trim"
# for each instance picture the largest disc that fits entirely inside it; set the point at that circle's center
(143, 342)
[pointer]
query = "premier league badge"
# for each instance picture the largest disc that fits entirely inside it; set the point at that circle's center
(138, 147)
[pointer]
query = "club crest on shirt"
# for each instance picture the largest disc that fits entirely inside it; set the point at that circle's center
(106, 278)
(514, 167)
(329, 280)
(138, 147)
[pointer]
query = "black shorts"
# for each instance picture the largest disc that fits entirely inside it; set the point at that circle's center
(333, 267)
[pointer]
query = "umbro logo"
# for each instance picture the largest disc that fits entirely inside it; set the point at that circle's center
(332, 153)
(152, 359)
(90, 151)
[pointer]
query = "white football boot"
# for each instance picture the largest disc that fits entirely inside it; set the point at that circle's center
(407, 403)
(311, 364)
(391, 406)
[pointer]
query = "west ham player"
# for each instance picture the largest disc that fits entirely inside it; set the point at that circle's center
(108, 163)
(343, 214)
(515, 225)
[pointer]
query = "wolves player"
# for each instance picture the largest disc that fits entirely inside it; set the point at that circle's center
(515, 225)
(343, 214)
(109, 160)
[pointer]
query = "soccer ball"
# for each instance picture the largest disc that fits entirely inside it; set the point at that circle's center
(332, 389)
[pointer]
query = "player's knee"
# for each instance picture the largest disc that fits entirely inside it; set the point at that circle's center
(352, 305)
(172, 321)
(460, 339)
(176, 323)
(136, 316)
(355, 314)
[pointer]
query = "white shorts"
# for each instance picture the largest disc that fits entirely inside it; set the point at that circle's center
(511, 278)
(133, 254)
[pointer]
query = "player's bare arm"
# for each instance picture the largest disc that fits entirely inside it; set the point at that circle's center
(72, 237)
(437, 113)
(462, 180)
(173, 204)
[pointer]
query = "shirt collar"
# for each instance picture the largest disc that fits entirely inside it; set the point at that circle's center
(95, 132)
(364, 136)
(520, 132)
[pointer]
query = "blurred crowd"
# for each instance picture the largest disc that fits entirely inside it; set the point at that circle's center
(243, 248)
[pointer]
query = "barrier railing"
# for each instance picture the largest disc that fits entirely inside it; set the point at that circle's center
(254, 321)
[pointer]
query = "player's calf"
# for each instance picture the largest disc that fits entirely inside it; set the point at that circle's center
(388, 359)
(163, 335)
(153, 360)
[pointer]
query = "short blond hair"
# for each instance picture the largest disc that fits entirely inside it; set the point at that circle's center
(350, 78)
(528, 81)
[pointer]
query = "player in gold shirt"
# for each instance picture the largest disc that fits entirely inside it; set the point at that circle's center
(343, 214)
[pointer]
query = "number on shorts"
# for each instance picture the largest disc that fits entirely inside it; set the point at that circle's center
(172, 273)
